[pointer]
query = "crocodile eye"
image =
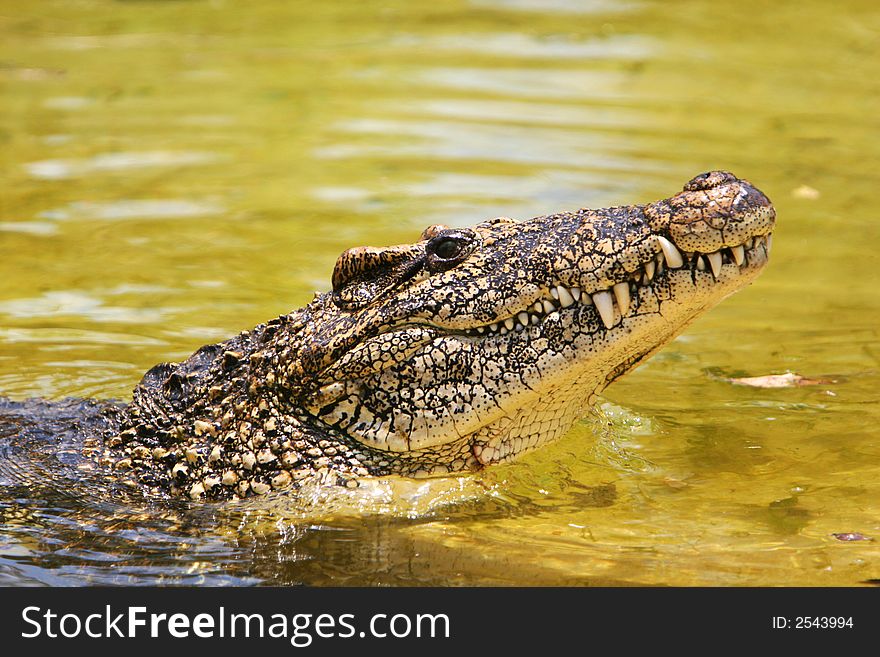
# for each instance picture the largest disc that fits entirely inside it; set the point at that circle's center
(446, 248)
(449, 248)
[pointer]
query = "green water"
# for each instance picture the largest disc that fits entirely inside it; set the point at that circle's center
(172, 173)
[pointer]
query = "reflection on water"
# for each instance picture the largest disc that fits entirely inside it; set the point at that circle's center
(181, 174)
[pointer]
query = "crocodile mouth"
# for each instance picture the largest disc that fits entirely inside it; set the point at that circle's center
(614, 303)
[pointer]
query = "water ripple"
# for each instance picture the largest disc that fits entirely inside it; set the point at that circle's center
(111, 162)
(529, 83)
(40, 228)
(134, 209)
(500, 143)
(60, 303)
(528, 46)
(560, 6)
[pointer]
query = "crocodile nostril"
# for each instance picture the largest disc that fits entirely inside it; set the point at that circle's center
(709, 180)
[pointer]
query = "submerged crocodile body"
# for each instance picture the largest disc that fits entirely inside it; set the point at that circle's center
(464, 349)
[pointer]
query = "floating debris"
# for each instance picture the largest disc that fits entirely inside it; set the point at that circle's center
(787, 380)
(806, 192)
(851, 536)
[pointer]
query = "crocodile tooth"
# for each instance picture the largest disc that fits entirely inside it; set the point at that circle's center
(769, 243)
(503, 330)
(493, 326)
(621, 292)
(672, 254)
(548, 306)
(701, 264)
(554, 292)
(715, 262)
(587, 300)
(576, 293)
(659, 260)
(535, 319)
(481, 329)
(565, 297)
(650, 268)
(749, 242)
(523, 318)
(520, 327)
(739, 254)
(509, 323)
(605, 306)
(538, 307)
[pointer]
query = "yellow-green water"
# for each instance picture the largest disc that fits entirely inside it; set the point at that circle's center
(172, 173)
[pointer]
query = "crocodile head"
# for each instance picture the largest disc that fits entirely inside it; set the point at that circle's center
(474, 345)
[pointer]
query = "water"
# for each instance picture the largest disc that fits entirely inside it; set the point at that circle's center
(175, 172)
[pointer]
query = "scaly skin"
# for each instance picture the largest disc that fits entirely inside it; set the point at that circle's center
(463, 349)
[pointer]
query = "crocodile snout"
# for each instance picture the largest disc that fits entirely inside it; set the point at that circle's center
(709, 180)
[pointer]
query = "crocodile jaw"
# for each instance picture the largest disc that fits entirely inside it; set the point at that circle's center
(606, 345)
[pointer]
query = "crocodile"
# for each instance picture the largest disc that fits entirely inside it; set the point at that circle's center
(466, 348)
